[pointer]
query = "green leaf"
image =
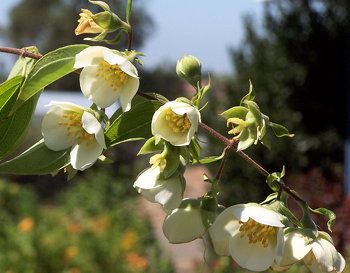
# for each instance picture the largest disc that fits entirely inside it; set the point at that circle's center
(38, 160)
(102, 4)
(132, 125)
(280, 130)
(8, 94)
(329, 214)
(48, 69)
(24, 65)
(235, 112)
(14, 128)
(194, 148)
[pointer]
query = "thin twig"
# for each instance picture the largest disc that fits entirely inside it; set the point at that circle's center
(222, 164)
(21, 52)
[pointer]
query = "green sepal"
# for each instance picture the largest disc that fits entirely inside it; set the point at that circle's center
(235, 112)
(209, 159)
(172, 164)
(275, 179)
(38, 160)
(48, 69)
(102, 4)
(280, 130)
(132, 125)
(246, 139)
(150, 146)
(71, 172)
(195, 149)
(327, 213)
(282, 209)
(250, 96)
(269, 198)
(254, 109)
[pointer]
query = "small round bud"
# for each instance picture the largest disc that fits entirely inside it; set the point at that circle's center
(189, 68)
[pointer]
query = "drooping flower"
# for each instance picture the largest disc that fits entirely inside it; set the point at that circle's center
(319, 254)
(184, 224)
(167, 192)
(176, 122)
(87, 23)
(107, 76)
(69, 125)
(252, 234)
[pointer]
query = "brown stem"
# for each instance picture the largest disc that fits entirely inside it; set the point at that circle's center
(129, 40)
(21, 52)
(222, 164)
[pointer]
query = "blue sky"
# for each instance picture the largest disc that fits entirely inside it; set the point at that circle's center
(203, 28)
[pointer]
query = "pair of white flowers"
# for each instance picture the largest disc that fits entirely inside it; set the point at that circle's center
(107, 76)
(253, 235)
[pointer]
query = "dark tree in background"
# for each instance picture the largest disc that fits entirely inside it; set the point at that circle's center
(50, 24)
(297, 63)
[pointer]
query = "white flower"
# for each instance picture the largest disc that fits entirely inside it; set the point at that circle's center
(167, 192)
(185, 223)
(319, 255)
(68, 125)
(106, 77)
(252, 234)
(176, 122)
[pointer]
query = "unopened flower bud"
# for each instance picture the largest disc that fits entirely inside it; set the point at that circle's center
(189, 68)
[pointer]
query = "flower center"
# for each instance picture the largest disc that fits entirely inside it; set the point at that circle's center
(112, 74)
(237, 125)
(257, 233)
(178, 123)
(75, 129)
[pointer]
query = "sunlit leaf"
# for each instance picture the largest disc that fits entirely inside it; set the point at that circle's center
(38, 160)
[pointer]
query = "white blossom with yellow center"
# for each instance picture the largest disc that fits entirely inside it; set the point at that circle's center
(176, 122)
(252, 234)
(319, 255)
(107, 77)
(69, 125)
(167, 192)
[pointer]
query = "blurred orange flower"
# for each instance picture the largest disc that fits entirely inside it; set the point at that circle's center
(129, 239)
(136, 262)
(100, 223)
(70, 253)
(26, 224)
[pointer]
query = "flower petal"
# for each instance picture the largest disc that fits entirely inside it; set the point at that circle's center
(55, 136)
(183, 225)
(90, 56)
(258, 213)
(97, 89)
(169, 194)
(124, 64)
(127, 91)
(148, 179)
(222, 230)
(295, 248)
(251, 256)
(85, 155)
(92, 126)
(323, 252)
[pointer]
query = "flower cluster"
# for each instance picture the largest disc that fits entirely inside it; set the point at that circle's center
(107, 76)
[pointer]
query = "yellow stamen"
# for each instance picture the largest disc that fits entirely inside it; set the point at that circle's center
(75, 130)
(241, 124)
(112, 74)
(178, 123)
(257, 232)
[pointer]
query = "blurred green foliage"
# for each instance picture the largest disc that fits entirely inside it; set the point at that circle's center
(95, 226)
